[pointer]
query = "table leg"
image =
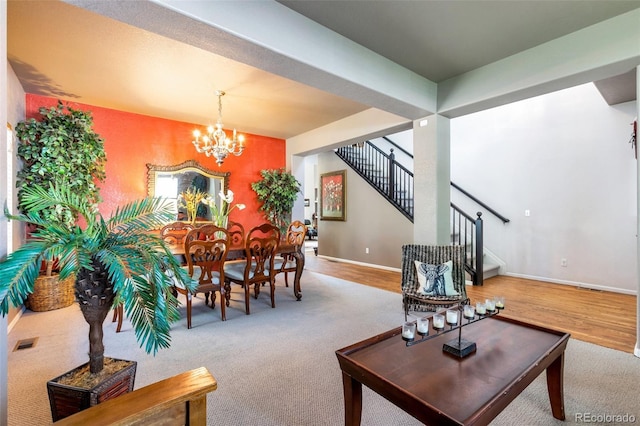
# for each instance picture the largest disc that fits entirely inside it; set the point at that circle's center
(299, 256)
(555, 386)
(352, 400)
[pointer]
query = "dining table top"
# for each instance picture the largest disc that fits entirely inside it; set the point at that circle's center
(283, 247)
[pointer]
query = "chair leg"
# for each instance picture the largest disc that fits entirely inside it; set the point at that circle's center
(272, 284)
(188, 310)
(117, 315)
(286, 279)
(227, 292)
(223, 314)
(213, 299)
(246, 299)
(120, 316)
(406, 308)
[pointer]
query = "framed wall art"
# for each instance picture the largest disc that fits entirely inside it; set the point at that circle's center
(333, 187)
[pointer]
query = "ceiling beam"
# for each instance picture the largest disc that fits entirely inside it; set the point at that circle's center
(272, 37)
(603, 50)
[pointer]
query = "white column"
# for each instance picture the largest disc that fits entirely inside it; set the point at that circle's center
(432, 177)
(296, 167)
(636, 351)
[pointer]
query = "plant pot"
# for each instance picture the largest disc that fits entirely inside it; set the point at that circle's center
(66, 399)
(50, 293)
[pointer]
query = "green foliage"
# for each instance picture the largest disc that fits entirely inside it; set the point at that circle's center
(277, 190)
(138, 262)
(62, 147)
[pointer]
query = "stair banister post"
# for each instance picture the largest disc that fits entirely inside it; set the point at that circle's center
(479, 251)
(392, 167)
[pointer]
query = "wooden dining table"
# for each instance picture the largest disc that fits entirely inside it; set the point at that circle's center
(284, 248)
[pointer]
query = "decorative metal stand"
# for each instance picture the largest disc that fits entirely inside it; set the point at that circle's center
(458, 347)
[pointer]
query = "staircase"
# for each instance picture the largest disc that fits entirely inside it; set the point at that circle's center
(391, 179)
(395, 183)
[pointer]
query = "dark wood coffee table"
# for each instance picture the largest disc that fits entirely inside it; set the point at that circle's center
(440, 389)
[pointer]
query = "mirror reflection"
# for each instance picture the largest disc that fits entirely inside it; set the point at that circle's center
(170, 181)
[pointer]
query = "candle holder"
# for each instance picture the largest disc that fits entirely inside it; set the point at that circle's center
(465, 314)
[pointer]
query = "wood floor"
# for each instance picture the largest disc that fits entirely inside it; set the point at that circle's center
(604, 318)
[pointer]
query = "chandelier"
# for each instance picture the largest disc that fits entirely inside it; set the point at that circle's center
(216, 142)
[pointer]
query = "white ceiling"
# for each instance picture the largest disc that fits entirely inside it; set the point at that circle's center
(64, 51)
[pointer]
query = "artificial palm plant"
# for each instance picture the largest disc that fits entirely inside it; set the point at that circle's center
(115, 260)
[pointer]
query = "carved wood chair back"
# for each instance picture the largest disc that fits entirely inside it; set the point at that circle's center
(174, 233)
(258, 266)
(236, 234)
(296, 232)
(206, 251)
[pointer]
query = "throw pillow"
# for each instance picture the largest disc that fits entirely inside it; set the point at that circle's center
(435, 280)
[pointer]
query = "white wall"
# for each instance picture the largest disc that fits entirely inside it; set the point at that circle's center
(565, 157)
(371, 222)
(311, 180)
(3, 194)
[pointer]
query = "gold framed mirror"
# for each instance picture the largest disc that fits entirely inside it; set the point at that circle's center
(170, 181)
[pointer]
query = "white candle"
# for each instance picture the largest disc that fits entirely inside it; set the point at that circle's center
(490, 304)
(480, 308)
(438, 321)
(500, 302)
(452, 317)
(469, 311)
(423, 325)
(409, 330)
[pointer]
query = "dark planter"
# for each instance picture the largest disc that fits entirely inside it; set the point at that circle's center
(66, 400)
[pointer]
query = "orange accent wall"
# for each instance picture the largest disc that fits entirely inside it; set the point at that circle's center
(133, 140)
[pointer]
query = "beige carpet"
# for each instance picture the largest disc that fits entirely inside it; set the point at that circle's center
(278, 366)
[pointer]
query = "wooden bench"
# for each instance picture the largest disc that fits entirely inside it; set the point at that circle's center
(181, 399)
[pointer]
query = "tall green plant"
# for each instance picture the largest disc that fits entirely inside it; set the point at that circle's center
(61, 147)
(277, 191)
(118, 260)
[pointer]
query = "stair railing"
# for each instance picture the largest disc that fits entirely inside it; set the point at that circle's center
(390, 178)
(395, 183)
(468, 232)
(489, 209)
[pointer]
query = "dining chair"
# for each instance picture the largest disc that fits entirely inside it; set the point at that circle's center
(258, 267)
(206, 250)
(173, 234)
(286, 262)
(236, 234)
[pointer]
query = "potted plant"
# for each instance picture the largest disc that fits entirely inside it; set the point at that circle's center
(277, 190)
(62, 147)
(115, 261)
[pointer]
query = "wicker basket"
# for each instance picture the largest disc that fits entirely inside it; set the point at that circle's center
(50, 293)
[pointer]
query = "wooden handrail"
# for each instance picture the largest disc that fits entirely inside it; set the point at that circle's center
(182, 398)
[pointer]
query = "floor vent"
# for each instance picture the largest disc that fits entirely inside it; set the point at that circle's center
(25, 344)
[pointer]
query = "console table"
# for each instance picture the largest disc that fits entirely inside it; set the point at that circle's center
(440, 389)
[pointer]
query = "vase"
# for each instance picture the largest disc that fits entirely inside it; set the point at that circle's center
(222, 222)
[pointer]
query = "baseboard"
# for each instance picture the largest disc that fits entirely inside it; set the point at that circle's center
(354, 262)
(573, 283)
(15, 319)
